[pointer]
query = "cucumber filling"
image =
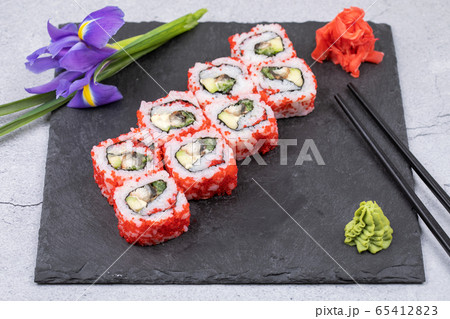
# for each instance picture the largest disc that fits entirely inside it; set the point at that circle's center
(222, 84)
(176, 119)
(231, 115)
(293, 75)
(192, 152)
(139, 198)
(122, 158)
(270, 47)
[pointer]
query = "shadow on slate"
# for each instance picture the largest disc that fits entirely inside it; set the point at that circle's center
(245, 237)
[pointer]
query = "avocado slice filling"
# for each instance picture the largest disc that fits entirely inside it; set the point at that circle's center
(293, 75)
(270, 47)
(231, 115)
(177, 119)
(140, 197)
(222, 84)
(122, 158)
(190, 153)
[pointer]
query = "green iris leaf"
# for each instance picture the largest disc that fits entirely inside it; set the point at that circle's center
(34, 114)
(26, 103)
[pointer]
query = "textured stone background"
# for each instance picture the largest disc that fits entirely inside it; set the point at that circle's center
(422, 45)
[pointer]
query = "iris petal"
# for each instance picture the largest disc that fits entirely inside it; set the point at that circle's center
(53, 84)
(104, 94)
(70, 27)
(95, 94)
(81, 58)
(33, 56)
(42, 64)
(63, 87)
(67, 30)
(77, 101)
(62, 53)
(79, 84)
(99, 26)
(55, 47)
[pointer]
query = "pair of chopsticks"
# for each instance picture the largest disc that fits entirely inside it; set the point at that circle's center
(422, 211)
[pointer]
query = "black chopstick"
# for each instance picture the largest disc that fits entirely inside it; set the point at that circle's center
(438, 191)
(423, 212)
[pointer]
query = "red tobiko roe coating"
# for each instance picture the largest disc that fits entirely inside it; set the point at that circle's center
(347, 40)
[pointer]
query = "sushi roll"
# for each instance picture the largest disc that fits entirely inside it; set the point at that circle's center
(265, 42)
(246, 122)
(151, 209)
(176, 114)
(128, 156)
(288, 86)
(202, 164)
(222, 77)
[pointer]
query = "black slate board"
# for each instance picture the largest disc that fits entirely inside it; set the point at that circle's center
(245, 237)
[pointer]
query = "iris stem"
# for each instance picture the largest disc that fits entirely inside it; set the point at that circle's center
(116, 66)
(34, 114)
(155, 37)
(122, 43)
(26, 103)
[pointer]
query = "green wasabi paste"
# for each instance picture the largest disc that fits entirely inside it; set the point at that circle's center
(369, 230)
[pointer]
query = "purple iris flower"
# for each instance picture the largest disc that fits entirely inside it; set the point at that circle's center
(75, 52)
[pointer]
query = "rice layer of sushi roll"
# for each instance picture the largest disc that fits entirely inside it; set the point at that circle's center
(151, 209)
(202, 164)
(128, 156)
(222, 77)
(176, 114)
(265, 42)
(287, 86)
(246, 122)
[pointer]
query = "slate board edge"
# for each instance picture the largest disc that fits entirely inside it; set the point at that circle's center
(41, 276)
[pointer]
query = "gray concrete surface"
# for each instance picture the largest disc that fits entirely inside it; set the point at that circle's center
(421, 37)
